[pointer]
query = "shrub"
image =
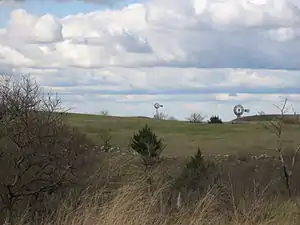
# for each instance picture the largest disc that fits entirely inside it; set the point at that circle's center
(40, 154)
(277, 126)
(197, 176)
(215, 119)
(160, 116)
(196, 118)
(147, 145)
(106, 139)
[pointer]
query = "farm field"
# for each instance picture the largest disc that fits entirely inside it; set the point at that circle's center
(183, 138)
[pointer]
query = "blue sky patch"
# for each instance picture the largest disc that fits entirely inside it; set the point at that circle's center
(56, 8)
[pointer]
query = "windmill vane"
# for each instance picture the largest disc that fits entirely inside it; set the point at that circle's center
(239, 110)
(157, 106)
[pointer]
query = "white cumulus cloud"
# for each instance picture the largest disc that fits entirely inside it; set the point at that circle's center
(34, 29)
(205, 54)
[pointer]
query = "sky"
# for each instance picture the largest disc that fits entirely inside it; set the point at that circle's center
(190, 56)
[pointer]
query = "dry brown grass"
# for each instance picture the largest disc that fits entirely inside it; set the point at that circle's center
(132, 205)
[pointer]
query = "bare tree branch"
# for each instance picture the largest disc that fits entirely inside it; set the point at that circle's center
(40, 152)
(277, 126)
(196, 118)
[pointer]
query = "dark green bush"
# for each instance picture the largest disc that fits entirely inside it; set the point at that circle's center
(196, 175)
(215, 119)
(147, 145)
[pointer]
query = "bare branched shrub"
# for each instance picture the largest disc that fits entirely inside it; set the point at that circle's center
(40, 154)
(106, 139)
(160, 116)
(277, 126)
(196, 118)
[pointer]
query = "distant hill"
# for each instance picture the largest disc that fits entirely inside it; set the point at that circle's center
(288, 118)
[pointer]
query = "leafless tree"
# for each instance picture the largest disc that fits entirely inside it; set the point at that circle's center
(277, 126)
(160, 116)
(40, 154)
(196, 118)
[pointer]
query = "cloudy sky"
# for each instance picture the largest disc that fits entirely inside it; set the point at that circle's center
(189, 55)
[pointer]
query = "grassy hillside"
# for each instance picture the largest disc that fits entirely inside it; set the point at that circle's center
(182, 138)
(288, 118)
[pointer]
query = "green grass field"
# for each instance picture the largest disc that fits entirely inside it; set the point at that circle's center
(182, 138)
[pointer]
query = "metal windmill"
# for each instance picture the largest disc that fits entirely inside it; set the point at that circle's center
(239, 110)
(157, 106)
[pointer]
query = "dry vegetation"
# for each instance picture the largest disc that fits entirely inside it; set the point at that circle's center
(50, 173)
(132, 206)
